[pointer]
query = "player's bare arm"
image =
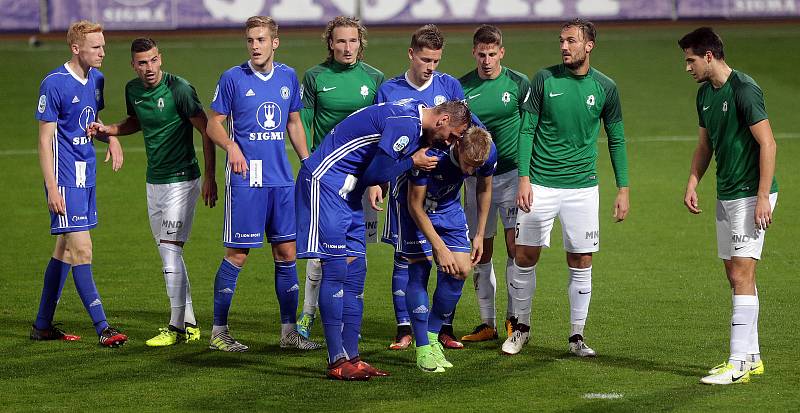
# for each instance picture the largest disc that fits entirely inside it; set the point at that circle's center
(422, 161)
(209, 189)
(762, 133)
(216, 132)
(297, 135)
(416, 201)
(483, 194)
(127, 127)
(700, 162)
(55, 202)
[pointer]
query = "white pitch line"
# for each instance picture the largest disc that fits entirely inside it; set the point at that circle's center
(603, 396)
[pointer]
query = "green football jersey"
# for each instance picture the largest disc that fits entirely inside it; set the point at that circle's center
(727, 114)
(332, 91)
(163, 113)
(503, 105)
(567, 114)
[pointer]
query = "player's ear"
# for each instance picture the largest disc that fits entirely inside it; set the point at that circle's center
(275, 43)
(589, 46)
(410, 54)
(501, 52)
(75, 48)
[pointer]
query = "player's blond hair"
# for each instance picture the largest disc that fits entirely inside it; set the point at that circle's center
(475, 146)
(77, 31)
(344, 21)
(262, 21)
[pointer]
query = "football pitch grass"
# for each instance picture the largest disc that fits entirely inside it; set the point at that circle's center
(659, 313)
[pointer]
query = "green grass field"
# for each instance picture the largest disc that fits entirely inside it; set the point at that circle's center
(660, 309)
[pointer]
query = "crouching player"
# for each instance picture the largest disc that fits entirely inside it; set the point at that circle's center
(433, 223)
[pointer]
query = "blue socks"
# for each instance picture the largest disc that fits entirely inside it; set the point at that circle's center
(54, 277)
(417, 299)
(287, 289)
(331, 293)
(353, 305)
(445, 299)
(84, 283)
(399, 282)
(224, 287)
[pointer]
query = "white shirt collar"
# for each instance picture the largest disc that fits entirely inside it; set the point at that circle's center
(418, 88)
(260, 75)
(75, 75)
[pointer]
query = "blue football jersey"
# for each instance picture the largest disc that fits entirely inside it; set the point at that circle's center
(73, 103)
(258, 107)
(443, 191)
(345, 153)
(439, 88)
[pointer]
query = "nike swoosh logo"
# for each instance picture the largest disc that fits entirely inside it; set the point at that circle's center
(473, 96)
(582, 293)
(136, 102)
(737, 248)
(372, 234)
(734, 377)
(705, 108)
(738, 324)
(327, 89)
(514, 287)
(170, 233)
(552, 95)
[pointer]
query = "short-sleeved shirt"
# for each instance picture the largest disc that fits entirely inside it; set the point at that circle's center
(500, 103)
(258, 106)
(332, 91)
(570, 109)
(72, 103)
(163, 112)
(727, 114)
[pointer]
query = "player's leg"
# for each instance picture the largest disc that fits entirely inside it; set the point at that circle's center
(310, 297)
(402, 339)
(54, 277)
(418, 308)
(580, 225)
(504, 196)
(353, 300)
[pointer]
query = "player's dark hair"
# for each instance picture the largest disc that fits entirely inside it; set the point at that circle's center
(487, 34)
(428, 36)
(458, 111)
(585, 26)
(703, 40)
(344, 21)
(142, 44)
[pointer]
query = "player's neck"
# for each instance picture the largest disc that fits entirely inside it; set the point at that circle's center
(80, 70)
(720, 74)
(265, 68)
(414, 80)
(581, 70)
(491, 76)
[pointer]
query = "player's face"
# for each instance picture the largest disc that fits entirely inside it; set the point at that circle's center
(574, 48)
(488, 57)
(423, 63)
(147, 66)
(445, 133)
(698, 66)
(261, 46)
(345, 45)
(92, 50)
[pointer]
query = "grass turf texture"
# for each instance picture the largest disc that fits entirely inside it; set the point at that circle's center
(660, 306)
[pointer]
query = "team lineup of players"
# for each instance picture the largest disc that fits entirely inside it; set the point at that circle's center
(524, 151)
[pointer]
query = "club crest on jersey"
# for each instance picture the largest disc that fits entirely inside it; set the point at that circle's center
(302, 90)
(506, 97)
(364, 91)
(160, 104)
(87, 117)
(42, 103)
(400, 143)
(590, 100)
(285, 93)
(438, 99)
(725, 106)
(268, 115)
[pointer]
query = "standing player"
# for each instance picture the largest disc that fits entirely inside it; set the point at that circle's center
(432, 222)
(260, 99)
(735, 128)
(558, 177)
(369, 147)
(332, 90)
(422, 82)
(500, 97)
(165, 108)
(70, 98)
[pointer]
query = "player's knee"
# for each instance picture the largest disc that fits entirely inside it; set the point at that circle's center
(526, 257)
(80, 254)
(236, 258)
(579, 260)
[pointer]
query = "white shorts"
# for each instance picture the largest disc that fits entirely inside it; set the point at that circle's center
(370, 219)
(171, 209)
(577, 210)
(737, 235)
(504, 203)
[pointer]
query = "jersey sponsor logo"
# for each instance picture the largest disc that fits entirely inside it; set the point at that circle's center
(328, 89)
(75, 99)
(76, 218)
(160, 104)
(364, 91)
(438, 99)
(266, 136)
(42, 103)
(334, 246)
(247, 235)
(400, 143)
(590, 100)
(171, 224)
(216, 93)
(740, 239)
(593, 235)
(285, 93)
(552, 95)
(266, 115)
(725, 106)
(250, 92)
(506, 97)
(470, 97)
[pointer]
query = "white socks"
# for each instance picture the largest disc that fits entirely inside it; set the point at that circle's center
(313, 279)
(287, 328)
(521, 289)
(744, 328)
(176, 281)
(580, 294)
(485, 290)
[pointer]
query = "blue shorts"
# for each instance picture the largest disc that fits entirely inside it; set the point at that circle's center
(451, 227)
(81, 208)
(327, 224)
(251, 212)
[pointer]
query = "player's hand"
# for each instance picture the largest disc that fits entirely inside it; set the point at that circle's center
(763, 214)
(209, 191)
(445, 260)
(691, 201)
(55, 202)
(422, 161)
(375, 196)
(621, 204)
(96, 129)
(237, 160)
(524, 194)
(114, 153)
(477, 249)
